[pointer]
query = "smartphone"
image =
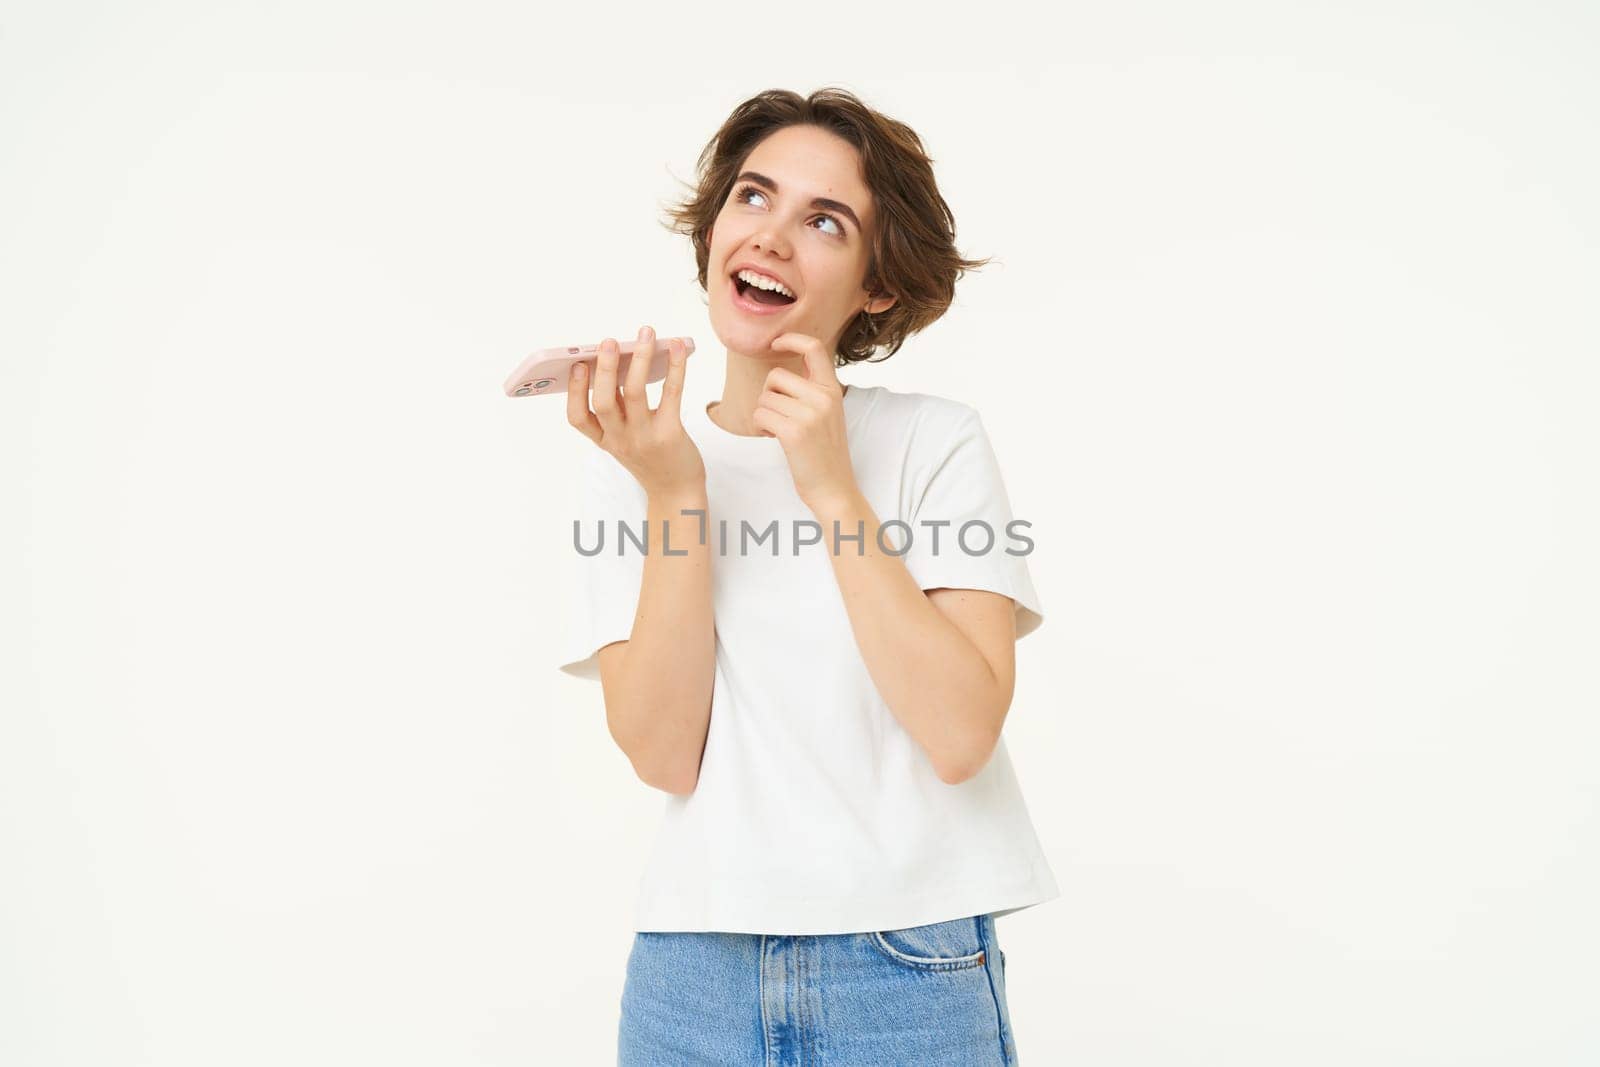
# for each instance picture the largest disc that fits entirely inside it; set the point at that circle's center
(544, 372)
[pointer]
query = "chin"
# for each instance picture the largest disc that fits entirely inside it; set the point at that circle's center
(740, 334)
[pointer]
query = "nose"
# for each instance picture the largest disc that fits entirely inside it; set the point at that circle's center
(769, 243)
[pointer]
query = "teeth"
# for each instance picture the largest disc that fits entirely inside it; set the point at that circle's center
(763, 282)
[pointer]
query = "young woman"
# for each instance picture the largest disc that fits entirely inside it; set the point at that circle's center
(811, 646)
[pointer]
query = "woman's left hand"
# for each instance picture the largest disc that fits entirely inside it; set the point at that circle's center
(806, 415)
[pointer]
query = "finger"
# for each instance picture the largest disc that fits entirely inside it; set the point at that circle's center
(634, 402)
(819, 362)
(786, 406)
(819, 365)
(578, 413)
(672, 386)
(787, 382)
(767, 421)
(607, 404)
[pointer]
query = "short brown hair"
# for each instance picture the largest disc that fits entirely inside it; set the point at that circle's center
(912, 254)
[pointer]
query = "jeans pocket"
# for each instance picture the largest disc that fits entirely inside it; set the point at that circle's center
(944, 946)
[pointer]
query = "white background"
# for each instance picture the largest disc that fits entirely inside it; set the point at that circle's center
(1289, 354)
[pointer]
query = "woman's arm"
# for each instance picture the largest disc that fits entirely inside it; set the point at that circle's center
(657, 684)
(945, 669)
(944, 661)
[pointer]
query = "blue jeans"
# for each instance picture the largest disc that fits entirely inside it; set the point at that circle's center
(933, 994)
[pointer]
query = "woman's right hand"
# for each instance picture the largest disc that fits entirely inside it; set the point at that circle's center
(652, 445)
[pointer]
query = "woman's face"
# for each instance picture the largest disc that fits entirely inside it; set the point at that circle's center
(819, 251)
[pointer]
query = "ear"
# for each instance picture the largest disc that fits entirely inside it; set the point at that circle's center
(880, 305)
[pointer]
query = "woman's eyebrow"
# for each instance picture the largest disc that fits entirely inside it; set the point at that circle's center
(819, 201)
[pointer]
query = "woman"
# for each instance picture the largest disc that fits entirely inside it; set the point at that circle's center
(809, 643)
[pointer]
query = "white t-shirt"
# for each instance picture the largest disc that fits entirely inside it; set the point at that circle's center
(815, 812)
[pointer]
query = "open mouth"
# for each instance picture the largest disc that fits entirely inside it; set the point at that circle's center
(756, 295)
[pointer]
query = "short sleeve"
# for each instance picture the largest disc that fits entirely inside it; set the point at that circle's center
(606, 596)
(964, 496)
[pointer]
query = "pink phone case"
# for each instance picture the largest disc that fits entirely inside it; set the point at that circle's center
(544, 373)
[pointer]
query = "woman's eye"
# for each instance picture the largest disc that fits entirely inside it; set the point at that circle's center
(746, 192)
